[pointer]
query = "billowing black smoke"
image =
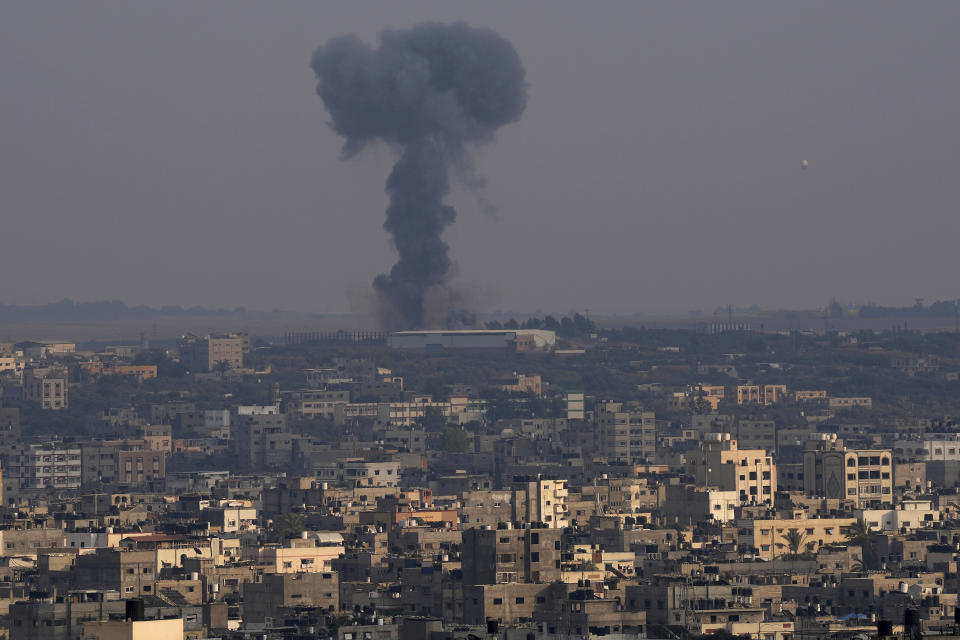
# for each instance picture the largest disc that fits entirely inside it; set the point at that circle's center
(429, 92)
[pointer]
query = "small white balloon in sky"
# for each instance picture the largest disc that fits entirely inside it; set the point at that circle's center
(804, 164)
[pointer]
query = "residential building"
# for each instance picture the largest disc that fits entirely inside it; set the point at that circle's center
(721, 463)
(627, 435)
(45, 466)
(47, 386)
(541, 501)
(509, 555)
(213, 351)
(863, 476)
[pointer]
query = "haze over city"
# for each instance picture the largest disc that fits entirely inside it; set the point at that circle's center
(426, 320)
(176, 153)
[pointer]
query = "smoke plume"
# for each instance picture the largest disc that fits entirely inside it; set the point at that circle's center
(430, 92)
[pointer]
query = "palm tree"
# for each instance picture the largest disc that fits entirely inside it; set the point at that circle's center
(861, 535)
(222, 366)
(681, 537)
(794, 538)
(289, 526)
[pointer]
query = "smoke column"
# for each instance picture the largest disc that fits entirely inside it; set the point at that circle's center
(429, 92)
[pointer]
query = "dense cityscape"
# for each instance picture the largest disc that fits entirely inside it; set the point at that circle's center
(574, 482)
(494, 320)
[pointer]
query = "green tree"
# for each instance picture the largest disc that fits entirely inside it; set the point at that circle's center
(681, 534)
(433, 419)
(436, 387)
(454, 440)
(794, 540)
(862, 536)
(289, 526)
(222, 366)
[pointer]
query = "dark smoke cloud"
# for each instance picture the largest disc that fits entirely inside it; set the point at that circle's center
(430, 92)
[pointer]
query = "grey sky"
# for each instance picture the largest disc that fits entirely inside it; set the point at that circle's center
(175, 153)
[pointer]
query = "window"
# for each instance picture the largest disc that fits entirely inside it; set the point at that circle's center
(498, 601)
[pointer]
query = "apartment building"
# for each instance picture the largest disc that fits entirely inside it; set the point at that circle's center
(627, 435)
(9, 425)
(46, 386)
(263, 600)
(130, 573)
(44, 466)
(541, 501)
(688, 504)
(311, 403)
(908, 516)
(141, 466)
(359, 473)
(213, 351)
(721, 463)
(928, 448)
(767, 537)
(261, 440)
(762, 394)
(139, 371)
(757, 434)
(509, 555)
(849, 403)
(863, 476)
(11, 365)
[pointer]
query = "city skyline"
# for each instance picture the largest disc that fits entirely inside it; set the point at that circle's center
(182, 152)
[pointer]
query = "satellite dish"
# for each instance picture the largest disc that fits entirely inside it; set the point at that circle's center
(804, 164)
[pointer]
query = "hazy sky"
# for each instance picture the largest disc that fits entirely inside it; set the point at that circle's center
(176, 153)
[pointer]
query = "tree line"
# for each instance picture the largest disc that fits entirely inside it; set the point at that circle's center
(576, 326)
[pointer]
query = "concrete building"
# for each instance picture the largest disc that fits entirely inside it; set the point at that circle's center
(9, 426)
(762, 394)
(45, 466)
(721, 463)
(261, 441)
(757, 434)
(688, 504)
(928, 448)
(541, 501)
(11, 365)
(213, 351)
(909, 516)
(47, 386)
(129, 573)
(139, 371)
(767, 536)
(304, 554)
(169, 629)
(359, 473)
(627, 435)
(509, 555)
(863, 476)
(849, 403)
(141, 466)
(575, 405)
(49, 619)
(265, 599)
